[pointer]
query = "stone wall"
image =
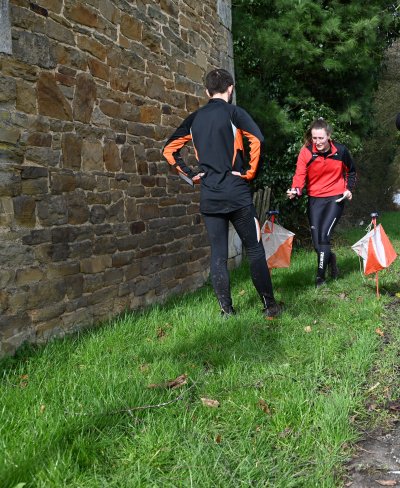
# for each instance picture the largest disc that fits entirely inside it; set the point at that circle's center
(92, 222)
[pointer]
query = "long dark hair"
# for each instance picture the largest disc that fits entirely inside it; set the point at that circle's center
(319, 123)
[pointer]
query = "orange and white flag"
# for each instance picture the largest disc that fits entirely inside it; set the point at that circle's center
(376, 250)
(277, 243)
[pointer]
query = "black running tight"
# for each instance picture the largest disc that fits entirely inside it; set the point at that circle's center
(323, 215)
(246, 225)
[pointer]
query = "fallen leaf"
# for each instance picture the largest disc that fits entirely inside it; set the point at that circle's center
(379, 332)
(207, 402)
(307, 329)
(176, 383)
(42, 408)
(264, 406)
(23, 384)
(218, 439)
(360, 299)
(349, 483)
(342, 296)
(242, 292)
(24, 376)
(386, 482)
(398, 294)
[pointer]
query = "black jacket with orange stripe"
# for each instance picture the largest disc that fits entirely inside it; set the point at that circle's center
(216, 131)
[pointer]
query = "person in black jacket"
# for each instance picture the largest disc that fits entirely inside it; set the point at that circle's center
(216, 131)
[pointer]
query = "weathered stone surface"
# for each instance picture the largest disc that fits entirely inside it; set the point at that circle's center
(85, 95)
(83, 14)
(99, 69)
(90, 95)
(52, 210)
(51, 100)
(131, 27)
(8, 89)
(92, 155)
(78, 210)
(112, 158)
(34, 49)
(24, 210)
(71, 149)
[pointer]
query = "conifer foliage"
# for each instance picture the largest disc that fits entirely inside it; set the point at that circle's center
(300, 59)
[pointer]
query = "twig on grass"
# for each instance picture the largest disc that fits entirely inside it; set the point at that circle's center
(141, 407)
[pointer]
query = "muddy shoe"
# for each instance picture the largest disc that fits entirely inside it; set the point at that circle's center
(272, 311)
(333, 269)
(319, 282)
(227, 312)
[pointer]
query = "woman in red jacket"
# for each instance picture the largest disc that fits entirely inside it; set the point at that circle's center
(328, 171)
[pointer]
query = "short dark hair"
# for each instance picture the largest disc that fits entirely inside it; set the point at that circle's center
(218, 81)
(319, 123)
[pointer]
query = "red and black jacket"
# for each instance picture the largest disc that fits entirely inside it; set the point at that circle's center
(324, 175)
(216, 131)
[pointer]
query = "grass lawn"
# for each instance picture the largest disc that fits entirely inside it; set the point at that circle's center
(293, 393)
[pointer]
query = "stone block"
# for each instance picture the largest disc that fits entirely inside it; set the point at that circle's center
(105, 245)
(119, 80)
(128, 159)
(155, 88)
(71, 150)
(62, 182)
(34, 49)
(28, 275)
(51, 99)
(40, 139)
(112, 160)
(137, 82)
(74, 287)
(150, 114)
(55, 30)
(70, 56)
(131, 27)
(8, 90)
(45, 156)
(96, 264)
(81, 14)
(52, 210)
(24, 210)
(99, 69)
(78, 210)
(120, 259)
(110, 108)
(98, 214)
(9, 135)
(38, 186)
(93, 47)
(92, 156)
(84, 98)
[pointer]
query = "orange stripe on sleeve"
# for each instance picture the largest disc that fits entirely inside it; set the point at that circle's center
(255, 151)
(173, 147)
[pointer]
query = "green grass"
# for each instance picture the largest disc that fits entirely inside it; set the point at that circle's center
(293, 392)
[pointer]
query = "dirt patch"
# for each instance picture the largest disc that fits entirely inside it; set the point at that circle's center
(377, 459)
(377, 462)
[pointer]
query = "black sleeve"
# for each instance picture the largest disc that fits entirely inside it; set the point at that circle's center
(350, 169)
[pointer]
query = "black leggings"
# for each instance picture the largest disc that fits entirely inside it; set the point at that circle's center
(246, 225)
(323, 215)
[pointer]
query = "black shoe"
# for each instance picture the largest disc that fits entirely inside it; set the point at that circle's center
(273, 310)
(227, 312)
(334, 270)
(319, 282)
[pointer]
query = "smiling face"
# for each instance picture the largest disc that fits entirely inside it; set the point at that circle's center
(321, 139)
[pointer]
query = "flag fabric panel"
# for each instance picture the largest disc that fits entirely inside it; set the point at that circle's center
(277, 242)
(376, 250)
